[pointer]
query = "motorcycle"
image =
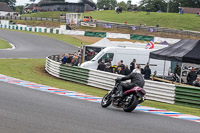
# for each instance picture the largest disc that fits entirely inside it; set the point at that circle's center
(131, 98)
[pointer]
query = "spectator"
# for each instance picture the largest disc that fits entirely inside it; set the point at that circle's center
(177, 70)
(147, 72)
(137, 69)
(122, 65)
(108, 67)
(101, 66)
(197, 82)
(148, 11)
(74, 60)
(119, 71)
(132, 65)
(64, 59)
(126, 70)
(69, 59)
(192, 76)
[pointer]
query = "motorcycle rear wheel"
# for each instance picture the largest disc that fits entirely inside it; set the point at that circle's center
(132, 104)
(106, 101)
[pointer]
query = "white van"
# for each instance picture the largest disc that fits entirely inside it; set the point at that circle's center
(127, 55)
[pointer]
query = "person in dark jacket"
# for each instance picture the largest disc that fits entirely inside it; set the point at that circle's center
(136, 80)
(119, 71)
(192, 76)
(197, 82)
(122, 64)
(177, 70)
(147, 72)
(69, 59)
(126, 70)
(64, 59)
(101, 66)
(108, 66)
(132, 65)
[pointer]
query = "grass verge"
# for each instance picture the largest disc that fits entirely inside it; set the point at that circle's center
(54, 14)
(65, 38)
(39, 23)
(168, 20)
(33, 70)
(4, 44)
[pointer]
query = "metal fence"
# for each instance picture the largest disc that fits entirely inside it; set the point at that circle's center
(152, 30)
(148, 29)
(32, 18)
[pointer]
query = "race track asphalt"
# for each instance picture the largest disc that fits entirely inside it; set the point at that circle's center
(33, 46)
(23, 110)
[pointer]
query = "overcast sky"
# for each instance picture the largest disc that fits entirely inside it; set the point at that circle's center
(23, 2)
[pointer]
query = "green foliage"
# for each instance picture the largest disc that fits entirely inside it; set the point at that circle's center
(107, 3)
(11, 3)
(155, 5)
(19, 9)
(123, 5)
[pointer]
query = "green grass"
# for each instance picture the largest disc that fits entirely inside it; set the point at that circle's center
(33, 70)
(65, 38)
(4, 44)
(39, 23)
(169, 20)
(54, 14)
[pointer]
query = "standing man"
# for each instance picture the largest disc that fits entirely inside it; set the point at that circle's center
(192, 76)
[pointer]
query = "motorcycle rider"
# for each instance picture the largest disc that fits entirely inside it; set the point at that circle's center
(136, 80)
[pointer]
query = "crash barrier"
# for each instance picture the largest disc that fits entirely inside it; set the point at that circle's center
(157, 91)
(187, 96)
(32, 18)
(146, 29)
(62, 30)
(113, 25)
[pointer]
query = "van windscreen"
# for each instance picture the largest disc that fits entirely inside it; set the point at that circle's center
(98, 56)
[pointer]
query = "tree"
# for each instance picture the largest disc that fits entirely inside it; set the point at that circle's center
(173, 4)
(19, 9)
(123, 5)
(153, 5)
(107, 3)
(11, 3)
(89, 2)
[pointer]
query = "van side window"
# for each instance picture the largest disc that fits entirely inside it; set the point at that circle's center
(106, 57)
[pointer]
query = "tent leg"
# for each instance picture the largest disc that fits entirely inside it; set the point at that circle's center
(181, 72)
(164, 69)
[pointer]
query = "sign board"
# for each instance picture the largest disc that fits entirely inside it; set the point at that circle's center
(88, 24)
(73, 18)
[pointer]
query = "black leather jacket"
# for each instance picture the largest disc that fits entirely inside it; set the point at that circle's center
(136, 78)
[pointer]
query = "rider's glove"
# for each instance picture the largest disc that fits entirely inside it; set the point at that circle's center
(118, 79)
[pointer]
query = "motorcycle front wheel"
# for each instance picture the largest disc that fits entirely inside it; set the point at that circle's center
(130, 104)
(106, 101)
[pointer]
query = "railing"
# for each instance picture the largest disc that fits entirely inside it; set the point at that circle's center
(116, 26)
(147, 29)
(157, 91)
(32, 18)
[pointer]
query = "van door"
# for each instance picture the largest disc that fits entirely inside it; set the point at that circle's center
(106, 57)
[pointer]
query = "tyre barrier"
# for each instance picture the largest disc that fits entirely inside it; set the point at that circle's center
(157, 91)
